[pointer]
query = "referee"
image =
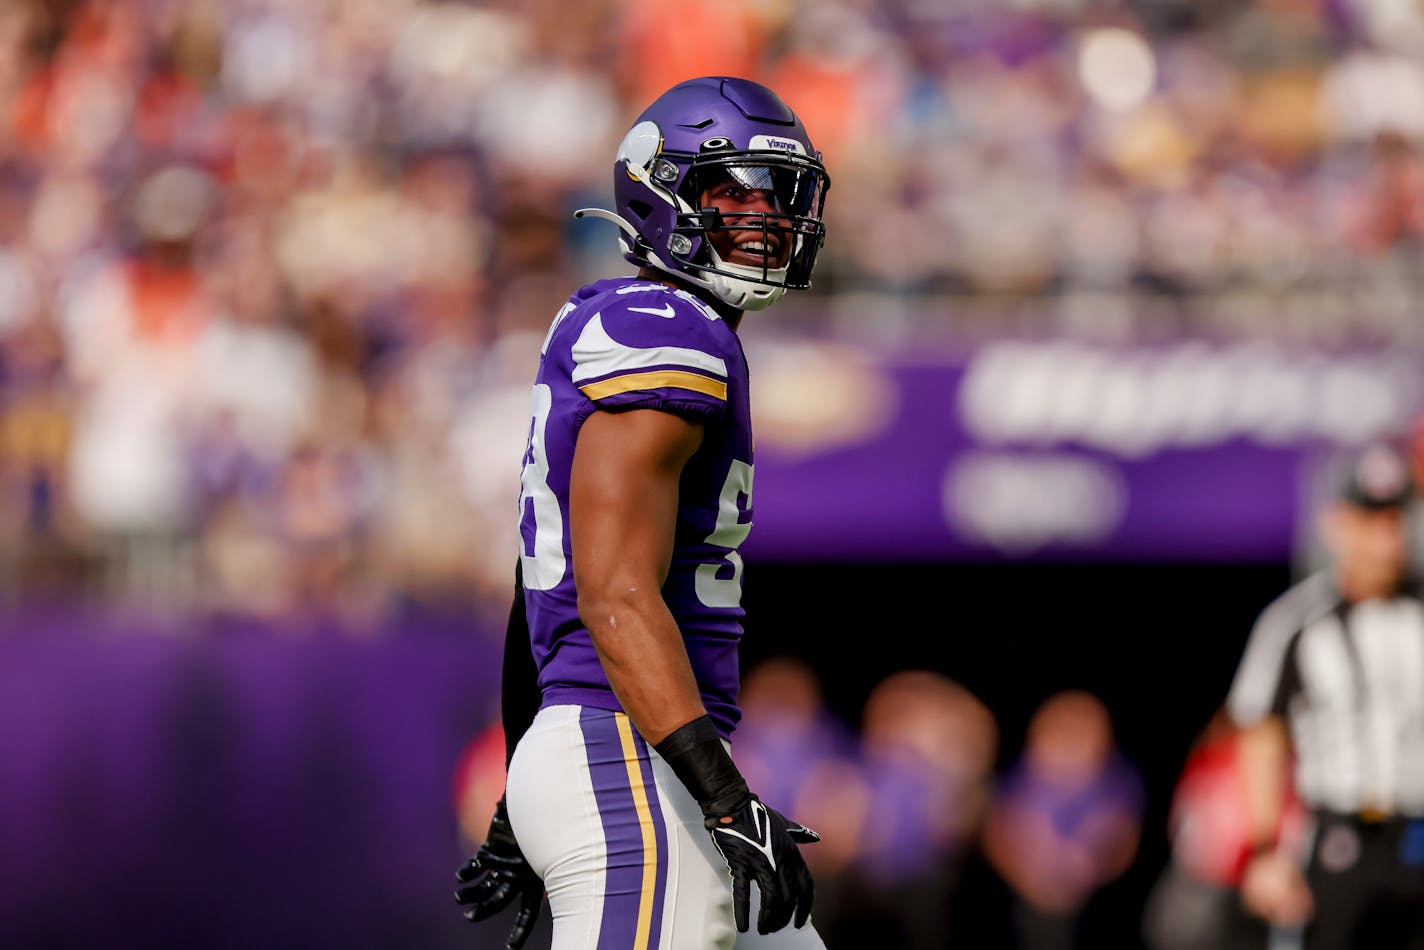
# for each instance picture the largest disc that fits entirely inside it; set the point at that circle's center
(1331, 690)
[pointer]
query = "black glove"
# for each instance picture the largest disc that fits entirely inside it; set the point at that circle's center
(496, 875)
(759, 844)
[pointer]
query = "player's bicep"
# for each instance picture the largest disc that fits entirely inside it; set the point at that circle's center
(623, 499)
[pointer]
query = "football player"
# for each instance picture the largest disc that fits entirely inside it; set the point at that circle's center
(622, 799)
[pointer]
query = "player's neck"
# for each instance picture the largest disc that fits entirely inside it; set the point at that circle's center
(731, 315)
(1358, 586)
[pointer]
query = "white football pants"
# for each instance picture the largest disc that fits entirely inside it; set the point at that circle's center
(620, 842)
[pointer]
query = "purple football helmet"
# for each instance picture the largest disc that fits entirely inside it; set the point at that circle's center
(727, 137)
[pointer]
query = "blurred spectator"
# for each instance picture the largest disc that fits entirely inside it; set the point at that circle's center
(1414, 450)
(246, 247)
(789, 744)
(41, 549)
(1065, 820)
(704, 38)
(927, 749)
(1196, 902)
(786, 731)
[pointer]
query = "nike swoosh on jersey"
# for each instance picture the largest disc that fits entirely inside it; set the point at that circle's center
(665, 311)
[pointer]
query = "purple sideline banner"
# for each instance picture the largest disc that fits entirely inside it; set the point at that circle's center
(1056, 450)
(233, 787)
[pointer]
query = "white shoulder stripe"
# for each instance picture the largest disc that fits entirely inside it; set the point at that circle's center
(1262, 663)
(598, 354)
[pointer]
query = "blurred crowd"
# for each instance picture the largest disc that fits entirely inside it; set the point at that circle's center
(936, 831)
(273, 273)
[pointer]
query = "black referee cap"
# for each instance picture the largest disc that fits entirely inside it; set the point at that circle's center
(1378, 477)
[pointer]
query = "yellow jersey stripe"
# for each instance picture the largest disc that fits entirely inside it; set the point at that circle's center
(657, 379)
(645, 823)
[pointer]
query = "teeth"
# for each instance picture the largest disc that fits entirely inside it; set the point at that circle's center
(757, 246)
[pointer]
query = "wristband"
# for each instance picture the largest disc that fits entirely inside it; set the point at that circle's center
(702, 764)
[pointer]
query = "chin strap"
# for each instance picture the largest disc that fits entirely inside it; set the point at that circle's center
(738, 291)
(729, 288)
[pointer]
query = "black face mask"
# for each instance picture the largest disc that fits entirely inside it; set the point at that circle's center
(792, 186)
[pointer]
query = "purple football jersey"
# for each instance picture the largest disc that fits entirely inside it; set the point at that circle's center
(632, 343)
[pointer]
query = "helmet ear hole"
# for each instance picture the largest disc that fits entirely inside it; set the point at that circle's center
(640, 208)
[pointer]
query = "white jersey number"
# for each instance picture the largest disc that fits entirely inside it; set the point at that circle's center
(546, 566)
(730, 532)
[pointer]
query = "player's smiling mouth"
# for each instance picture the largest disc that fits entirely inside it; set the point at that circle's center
(757, 252)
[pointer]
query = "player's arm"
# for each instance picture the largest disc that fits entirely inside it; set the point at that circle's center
(519, 679)
(1264, 750)
(1272, 884)
(1255, 706)
(623, 501)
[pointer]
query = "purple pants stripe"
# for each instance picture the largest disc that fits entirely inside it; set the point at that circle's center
(634, 832)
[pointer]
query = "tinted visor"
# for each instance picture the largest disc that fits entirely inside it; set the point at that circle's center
(775, 185)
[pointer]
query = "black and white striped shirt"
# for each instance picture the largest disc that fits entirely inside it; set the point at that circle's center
(1349, 681)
